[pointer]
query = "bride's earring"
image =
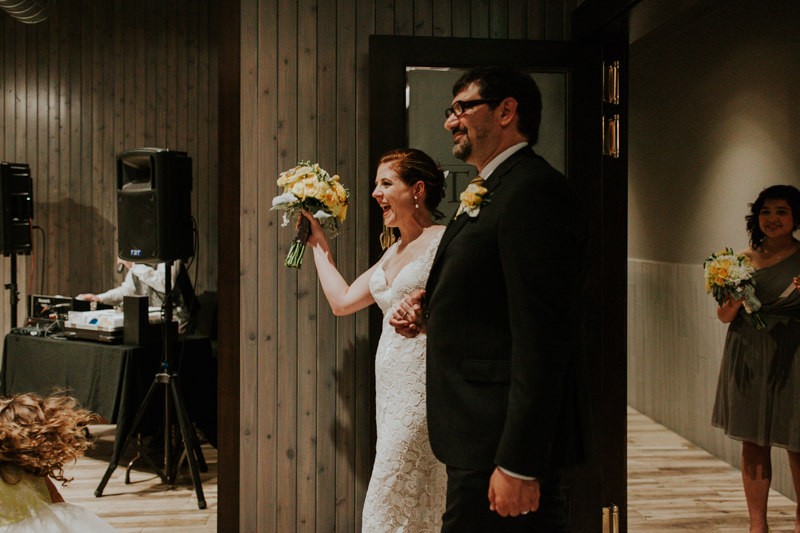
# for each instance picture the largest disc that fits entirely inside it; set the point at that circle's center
(387, 238)
(416, 204)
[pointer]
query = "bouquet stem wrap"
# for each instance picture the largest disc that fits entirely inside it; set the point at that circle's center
(295, 256)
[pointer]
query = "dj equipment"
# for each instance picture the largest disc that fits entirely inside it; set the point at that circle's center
(16, 195)
(168, 381)
(154, 225)
(154, 221)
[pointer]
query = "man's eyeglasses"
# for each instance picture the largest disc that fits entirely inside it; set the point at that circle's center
(459, 107)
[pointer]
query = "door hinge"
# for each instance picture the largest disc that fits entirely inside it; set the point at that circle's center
(611, 519)
(610, 97)
(611, 82)
(611, 133)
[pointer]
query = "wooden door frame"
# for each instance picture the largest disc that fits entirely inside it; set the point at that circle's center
(600, 33)
(228, 194)
(389, 55)
(602, 182)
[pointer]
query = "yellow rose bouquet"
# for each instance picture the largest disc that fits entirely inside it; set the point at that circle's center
(307, 186)
(729, 276)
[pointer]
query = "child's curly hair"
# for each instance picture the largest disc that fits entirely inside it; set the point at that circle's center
(40, 435)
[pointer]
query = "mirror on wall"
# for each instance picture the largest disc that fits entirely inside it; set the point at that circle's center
(429, 93)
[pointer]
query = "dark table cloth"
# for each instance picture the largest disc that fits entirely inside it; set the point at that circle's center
(112, 379)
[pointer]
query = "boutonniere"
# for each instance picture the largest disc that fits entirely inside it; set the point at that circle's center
(473, 197)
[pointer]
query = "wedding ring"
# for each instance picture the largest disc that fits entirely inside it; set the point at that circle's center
(525, 512)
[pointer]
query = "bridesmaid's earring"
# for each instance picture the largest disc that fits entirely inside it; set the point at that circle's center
(387, 238)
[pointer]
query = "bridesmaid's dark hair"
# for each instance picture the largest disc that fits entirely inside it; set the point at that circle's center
(775, 192)
(414, 165)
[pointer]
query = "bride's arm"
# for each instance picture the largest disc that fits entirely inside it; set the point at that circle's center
(344, 299)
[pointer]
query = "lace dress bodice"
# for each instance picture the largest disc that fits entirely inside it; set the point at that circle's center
(406, 492)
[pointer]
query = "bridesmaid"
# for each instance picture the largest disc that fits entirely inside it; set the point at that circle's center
(758, 393)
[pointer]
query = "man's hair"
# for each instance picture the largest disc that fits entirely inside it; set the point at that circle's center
(504, 82)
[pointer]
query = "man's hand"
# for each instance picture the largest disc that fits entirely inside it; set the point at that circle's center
(511, 496)
(408, 319)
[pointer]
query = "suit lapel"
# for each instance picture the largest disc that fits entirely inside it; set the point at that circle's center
(457, 224)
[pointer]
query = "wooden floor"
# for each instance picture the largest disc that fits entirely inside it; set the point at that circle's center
(673, 486)
(144, 505)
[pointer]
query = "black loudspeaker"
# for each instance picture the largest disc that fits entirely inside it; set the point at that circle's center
(154, 205)
(16, 189)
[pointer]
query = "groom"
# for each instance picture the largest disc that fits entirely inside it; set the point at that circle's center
(501, 310)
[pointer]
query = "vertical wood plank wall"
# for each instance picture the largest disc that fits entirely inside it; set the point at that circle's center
(96, 78)
(306, 377)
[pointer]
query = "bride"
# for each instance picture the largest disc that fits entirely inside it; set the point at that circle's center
(407, 489)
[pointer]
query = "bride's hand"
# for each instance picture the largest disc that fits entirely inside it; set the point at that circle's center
(316, 235)
(408, 319)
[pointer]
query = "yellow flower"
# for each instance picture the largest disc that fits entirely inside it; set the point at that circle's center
(329, 198)
(342, 212)
(341, 193)
(471, 199)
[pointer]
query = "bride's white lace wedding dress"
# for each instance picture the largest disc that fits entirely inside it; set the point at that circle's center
(406, 492)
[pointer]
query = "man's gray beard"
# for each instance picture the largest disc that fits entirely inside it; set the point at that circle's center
(462, 151)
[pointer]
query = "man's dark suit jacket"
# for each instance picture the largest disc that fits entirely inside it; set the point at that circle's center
(502, 315)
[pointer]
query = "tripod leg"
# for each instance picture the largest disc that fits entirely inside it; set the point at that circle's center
(131, 432)
(195, 442)
(187, 434)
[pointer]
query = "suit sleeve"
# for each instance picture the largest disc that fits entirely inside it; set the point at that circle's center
(541, 242)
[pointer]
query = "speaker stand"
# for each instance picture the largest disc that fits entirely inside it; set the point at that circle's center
(13, 289)
(170, 381)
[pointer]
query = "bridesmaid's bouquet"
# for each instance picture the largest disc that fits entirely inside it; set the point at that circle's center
(307, 186)
(729, 276)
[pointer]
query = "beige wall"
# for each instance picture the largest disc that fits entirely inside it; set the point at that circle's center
(714, 120)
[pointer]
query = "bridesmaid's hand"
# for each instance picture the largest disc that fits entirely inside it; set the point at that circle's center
(728, 311)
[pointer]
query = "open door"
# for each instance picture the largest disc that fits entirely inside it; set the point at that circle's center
(585, 140)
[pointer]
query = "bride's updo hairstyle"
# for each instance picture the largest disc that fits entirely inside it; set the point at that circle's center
(775, 192)
(414, 165)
